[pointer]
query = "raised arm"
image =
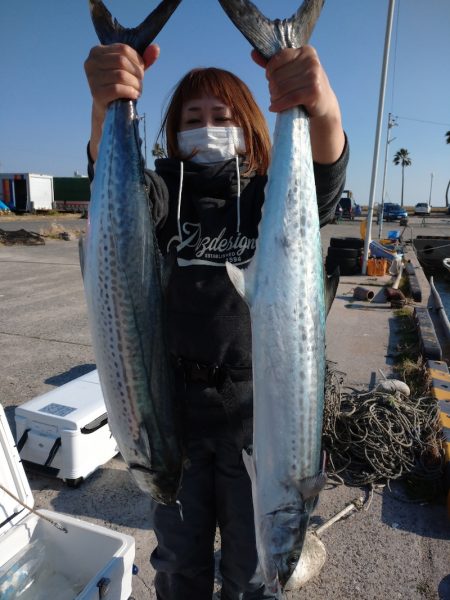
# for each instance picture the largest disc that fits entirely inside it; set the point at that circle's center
(114, 72)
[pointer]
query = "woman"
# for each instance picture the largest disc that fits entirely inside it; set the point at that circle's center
(206, 201)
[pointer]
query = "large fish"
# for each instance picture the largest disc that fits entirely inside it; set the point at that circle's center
(122, 272)
(284, 288)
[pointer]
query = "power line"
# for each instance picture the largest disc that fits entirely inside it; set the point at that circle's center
(423, 121)
(394, 72)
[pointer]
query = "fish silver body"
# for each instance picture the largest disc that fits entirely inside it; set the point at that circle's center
(123, 281)
(284, 288)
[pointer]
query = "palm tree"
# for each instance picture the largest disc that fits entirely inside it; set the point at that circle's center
(447, 137)
(402, 158)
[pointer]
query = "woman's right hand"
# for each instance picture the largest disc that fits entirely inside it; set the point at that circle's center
(114, 72)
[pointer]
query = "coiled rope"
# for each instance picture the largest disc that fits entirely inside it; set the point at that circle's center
(372, 437)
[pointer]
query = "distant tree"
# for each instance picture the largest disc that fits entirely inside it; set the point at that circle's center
(402, 158)
(447, 137)
(158, 151)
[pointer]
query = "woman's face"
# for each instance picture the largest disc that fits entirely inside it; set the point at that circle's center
(206, 111)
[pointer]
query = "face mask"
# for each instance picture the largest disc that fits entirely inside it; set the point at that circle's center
(211, 144)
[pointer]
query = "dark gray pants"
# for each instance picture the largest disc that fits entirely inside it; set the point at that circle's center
(215, 490)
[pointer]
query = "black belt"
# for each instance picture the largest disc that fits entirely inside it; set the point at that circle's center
(223, 378)
(211, 374)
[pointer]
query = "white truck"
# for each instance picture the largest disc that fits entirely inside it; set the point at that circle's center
(26, 192)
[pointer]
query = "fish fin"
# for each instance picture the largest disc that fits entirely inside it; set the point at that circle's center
(237, 278)
(331, 284)
(242, 279)
(110, 31)
(249, 465)
(268, 37)
(81, 253)
(309, 487)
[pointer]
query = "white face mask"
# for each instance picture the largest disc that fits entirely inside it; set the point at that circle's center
(211, 144)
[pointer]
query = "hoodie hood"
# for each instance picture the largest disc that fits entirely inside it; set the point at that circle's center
(218, 179)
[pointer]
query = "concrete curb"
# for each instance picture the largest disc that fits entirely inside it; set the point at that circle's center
(420, 286)
(440, 388)
(429, 343)
(432, 353)
(414, 284)
(421, 290)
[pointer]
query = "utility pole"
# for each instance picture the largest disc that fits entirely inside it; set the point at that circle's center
(145, 138)
(387, 43)
(391, 123)
(431, 186)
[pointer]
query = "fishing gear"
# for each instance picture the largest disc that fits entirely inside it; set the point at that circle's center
(374, 436)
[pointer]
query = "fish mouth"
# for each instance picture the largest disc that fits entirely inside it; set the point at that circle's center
(287, 532)
(162, 486)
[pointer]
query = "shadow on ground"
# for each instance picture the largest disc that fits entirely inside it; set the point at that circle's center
(73, 373)
(109, 494)
(431, 520)
(444, 588)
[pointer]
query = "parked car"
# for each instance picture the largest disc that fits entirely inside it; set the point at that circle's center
(348, 207)
(422, 208)
(394, 212)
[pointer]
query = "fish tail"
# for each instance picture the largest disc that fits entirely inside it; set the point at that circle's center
(268, 37)
(110, 31)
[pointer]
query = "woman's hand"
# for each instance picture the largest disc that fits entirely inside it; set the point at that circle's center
(113, 72)
(296, 77)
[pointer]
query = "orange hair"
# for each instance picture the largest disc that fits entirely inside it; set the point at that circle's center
(236, 95)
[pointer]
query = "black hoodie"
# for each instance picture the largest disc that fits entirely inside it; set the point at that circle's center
(208, 321)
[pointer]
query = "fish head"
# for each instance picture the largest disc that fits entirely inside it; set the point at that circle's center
(282, 535)
(162, 487)
(289, 523)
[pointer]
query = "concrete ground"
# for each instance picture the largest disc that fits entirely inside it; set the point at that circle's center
(391, 549)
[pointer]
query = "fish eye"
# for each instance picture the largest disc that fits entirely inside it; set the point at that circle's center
(293, 560)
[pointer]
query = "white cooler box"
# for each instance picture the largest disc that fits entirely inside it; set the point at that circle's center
(65, 432)
(40, 562)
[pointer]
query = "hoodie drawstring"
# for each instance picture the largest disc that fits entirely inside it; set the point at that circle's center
(238, 200)
(180, 189)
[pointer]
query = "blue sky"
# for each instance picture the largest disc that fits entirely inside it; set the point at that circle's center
(45, 101)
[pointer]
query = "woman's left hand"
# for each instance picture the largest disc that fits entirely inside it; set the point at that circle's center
(296, 77)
